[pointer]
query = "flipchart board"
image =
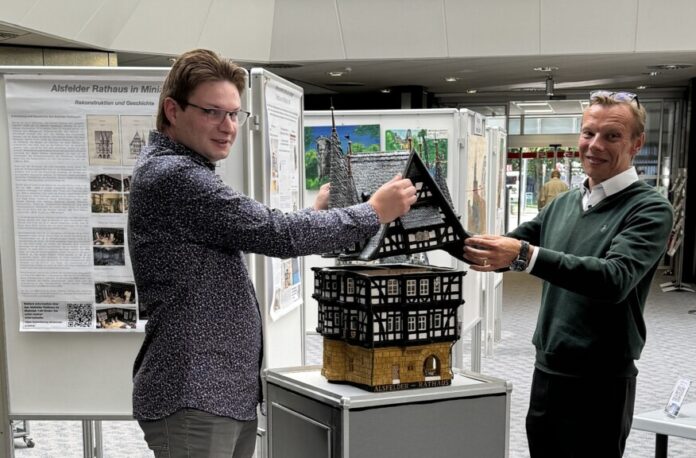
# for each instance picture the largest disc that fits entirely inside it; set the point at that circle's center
(277, 172)
(57, 366)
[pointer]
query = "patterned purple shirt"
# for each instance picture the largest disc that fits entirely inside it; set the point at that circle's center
(187, 232)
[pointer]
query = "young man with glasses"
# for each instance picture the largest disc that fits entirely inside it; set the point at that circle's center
(196, 382)
(596, 248)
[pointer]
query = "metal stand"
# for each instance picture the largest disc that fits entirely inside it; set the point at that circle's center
(92, 445)
(20, 430)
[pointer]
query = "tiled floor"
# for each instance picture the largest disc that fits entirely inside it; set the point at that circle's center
(670, 352)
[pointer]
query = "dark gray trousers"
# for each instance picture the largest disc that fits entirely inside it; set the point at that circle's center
(191, 433)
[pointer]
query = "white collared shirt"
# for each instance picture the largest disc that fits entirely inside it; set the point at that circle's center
(601, 191)
(606, 188)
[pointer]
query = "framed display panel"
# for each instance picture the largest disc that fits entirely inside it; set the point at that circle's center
(71, 375)
(433, 132)
(276, 168)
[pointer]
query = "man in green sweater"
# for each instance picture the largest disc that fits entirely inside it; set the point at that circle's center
(596, 248)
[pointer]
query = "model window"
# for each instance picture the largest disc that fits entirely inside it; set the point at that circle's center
(412, 323)
(393, 287)
(353, 323)
(350, 286)
(410, 287)
(390, 324)
(422, 323)
(337, 318)
(397, 324)
(424, 287)
(436, 285)
(438, 321)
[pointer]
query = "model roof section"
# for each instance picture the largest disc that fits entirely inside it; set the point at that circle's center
(430, 225)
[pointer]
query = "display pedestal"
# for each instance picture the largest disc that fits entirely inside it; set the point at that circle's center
(309, 417)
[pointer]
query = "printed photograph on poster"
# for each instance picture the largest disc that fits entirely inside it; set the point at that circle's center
(430, 144)
(116, 318)
(107, 202)
(135, 133)
(103, 140)
(109, 256)
(104, 182)
(109, 249)
(109, 236)
(363, 139)
(478, 124)
(112, 292)
(126, 182)
(476, 194)
(286, 295)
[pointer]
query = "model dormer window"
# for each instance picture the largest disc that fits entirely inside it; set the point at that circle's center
(350, 286)
(436, 285)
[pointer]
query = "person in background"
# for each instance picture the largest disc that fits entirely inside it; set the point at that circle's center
(596, 249)
(551, 189)
(196, 380)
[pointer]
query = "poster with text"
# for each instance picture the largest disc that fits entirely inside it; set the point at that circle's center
(73, 142)
(284, 108)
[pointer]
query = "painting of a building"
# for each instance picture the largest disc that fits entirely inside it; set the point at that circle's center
(388, 327)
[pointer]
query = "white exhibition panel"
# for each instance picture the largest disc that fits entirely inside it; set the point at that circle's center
(449, 120)
(283, 335)
(62, 375)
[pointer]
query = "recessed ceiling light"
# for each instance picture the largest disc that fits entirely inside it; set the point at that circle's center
(545, 69)
(531, 104)
(654, 73)
(336, 74)
(641, 87)
(669, 66)
(471, 91)
(549, 110)
(450, 79)
(172, 60)
(386, 90)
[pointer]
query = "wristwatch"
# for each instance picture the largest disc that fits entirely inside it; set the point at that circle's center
(519, 264)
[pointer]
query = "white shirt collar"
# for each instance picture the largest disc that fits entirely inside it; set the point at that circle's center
(608, 187)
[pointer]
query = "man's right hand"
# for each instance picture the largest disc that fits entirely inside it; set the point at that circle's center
(393, 199)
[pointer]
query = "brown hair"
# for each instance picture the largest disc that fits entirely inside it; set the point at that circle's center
(555, 174)
(637, 110)
(190, 70)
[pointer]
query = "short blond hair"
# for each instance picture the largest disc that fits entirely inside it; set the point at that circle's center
(192, 69)
(637, 110)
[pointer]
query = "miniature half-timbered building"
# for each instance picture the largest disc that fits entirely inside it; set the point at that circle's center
(388, 327)
(431, 224)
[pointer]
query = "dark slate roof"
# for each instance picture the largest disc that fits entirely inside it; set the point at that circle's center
(370, 171)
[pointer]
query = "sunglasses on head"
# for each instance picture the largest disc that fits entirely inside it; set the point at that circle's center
(619, 96)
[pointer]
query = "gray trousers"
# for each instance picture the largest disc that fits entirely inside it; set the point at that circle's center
(191, 433)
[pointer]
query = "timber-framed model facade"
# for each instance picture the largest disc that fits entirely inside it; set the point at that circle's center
(388, 327)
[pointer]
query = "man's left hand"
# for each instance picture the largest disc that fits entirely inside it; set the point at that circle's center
(487, 253)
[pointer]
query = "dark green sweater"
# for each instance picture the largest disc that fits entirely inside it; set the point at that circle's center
(597, 266)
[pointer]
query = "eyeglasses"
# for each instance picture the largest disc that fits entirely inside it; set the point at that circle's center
(218, 116)
(620, 96)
